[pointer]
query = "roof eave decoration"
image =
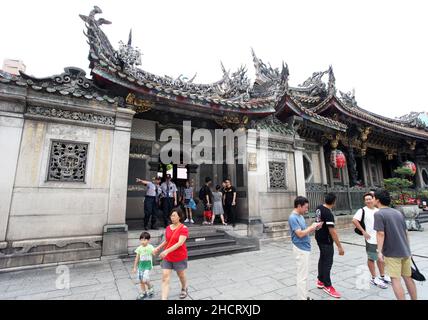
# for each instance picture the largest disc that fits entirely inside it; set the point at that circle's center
(314, 92)
(168, 94)
(311, 116)
(395, 125)
(72, 82)
(272, 124)
(414, 120)
(234, 90)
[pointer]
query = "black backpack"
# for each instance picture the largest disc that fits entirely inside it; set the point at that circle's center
(363, 225)
(202, 193)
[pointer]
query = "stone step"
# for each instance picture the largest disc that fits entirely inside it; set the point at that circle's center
(205, 235)
(193, 237)
(203, 241)
(217, 251)
(423, 219)
(212, 252)
(209, 243)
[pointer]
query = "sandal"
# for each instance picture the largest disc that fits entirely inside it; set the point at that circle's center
(183, 293)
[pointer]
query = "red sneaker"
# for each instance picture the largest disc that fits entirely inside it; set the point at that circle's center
(332, 292)
(320, 285)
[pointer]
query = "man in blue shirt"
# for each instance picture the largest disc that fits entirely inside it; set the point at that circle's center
(301, 243)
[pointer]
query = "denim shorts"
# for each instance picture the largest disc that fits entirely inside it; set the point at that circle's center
(176, 266)
(143, 275)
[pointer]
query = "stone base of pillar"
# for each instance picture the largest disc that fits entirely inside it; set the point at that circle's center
(255, 228)
(115, 240)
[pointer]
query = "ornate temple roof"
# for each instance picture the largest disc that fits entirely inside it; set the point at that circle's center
(233, 94)
(72, 82)
(415, 119)
(347, 105)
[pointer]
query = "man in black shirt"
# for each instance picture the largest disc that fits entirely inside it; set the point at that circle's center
(206, 195)
(229, 202)
(325, 237)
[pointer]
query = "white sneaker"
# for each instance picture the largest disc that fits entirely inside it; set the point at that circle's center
(191, 221)
(378, 283)
(186, 221)
(386, 279)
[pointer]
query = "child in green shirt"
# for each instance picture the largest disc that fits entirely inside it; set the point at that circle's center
(143, 264)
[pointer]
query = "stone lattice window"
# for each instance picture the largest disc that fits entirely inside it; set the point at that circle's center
(67, 161)
(277, 175)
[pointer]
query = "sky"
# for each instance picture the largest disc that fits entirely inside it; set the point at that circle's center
(379, 48)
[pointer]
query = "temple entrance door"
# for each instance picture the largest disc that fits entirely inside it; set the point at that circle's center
(179, 174)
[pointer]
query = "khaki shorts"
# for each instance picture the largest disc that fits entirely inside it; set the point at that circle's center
(397, 267)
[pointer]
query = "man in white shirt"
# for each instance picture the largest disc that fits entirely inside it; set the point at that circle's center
(369, 235)
(169, 198)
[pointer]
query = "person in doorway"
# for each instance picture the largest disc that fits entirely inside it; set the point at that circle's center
(369, 234)
(150, 202)
(223, 186)
(301, 243)
(393, 245)
(229, 202)
(206, 195)
(326, 236)
(218, 205)
(174, 256)
(188, 198)
(169, 198)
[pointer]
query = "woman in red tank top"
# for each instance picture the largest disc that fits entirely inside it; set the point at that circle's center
(174, 255)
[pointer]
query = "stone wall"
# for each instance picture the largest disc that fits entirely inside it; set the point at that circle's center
(281, 230)
(272, 177)
(66, 161)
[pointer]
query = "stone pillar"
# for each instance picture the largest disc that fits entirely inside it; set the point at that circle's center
(257, 176)
(365, 176)
(11, 127)
(352, 167)
(300, 172)
(323, 167)
(115, 236)
(419, 179)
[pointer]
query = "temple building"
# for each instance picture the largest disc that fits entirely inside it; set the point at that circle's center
(73, 146)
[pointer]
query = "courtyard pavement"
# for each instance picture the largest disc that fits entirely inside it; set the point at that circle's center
(265, 274)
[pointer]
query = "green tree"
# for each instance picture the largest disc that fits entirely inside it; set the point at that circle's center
(400, 183)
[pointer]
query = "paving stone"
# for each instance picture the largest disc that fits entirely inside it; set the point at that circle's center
(265, 274)
(205, 293)
(268, 296)
(46, 295)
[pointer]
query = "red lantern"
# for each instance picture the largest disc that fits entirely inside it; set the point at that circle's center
(410, 165)
(337, 159)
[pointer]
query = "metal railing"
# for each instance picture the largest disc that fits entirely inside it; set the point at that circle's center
(349, 199)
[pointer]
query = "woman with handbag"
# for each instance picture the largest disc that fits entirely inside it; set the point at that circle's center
(174, 255)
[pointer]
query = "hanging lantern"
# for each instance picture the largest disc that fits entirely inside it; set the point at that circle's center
(410, 165)
(337, 159)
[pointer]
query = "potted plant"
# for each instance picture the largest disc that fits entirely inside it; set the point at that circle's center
(403, 198)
